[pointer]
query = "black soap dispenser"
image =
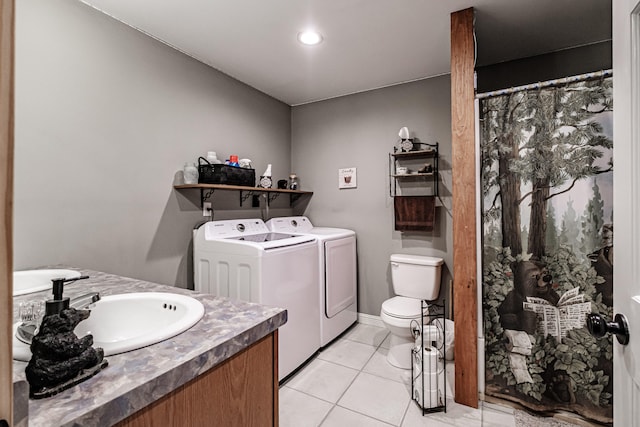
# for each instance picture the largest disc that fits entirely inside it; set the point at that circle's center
(58, 303)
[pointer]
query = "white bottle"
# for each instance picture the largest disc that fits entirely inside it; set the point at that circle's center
(190, 172)
(212, 158)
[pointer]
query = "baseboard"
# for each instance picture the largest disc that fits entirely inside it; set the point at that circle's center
(370, 319)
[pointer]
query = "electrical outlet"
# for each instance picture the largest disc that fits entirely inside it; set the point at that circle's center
(206, 209)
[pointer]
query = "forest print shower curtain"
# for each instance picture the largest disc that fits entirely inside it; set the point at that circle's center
(547, 175)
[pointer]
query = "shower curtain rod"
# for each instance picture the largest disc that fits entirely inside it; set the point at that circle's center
(548, 83)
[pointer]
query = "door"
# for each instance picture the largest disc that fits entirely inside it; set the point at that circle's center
(340, 275)
(6, 202)
(626, 131)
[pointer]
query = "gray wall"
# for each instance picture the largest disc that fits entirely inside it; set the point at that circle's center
(359, 131)
(105, 119)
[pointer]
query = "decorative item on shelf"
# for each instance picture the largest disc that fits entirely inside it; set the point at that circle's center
(401, 170)
(245, 163)
(190, 173)
(265, 179)
(212, 158)
(293, 182)
(282, 184)
(426, 169)
(406, 143)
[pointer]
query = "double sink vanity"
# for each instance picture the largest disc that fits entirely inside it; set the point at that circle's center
(218, 370)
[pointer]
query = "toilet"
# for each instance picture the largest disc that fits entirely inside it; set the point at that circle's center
(414, 278)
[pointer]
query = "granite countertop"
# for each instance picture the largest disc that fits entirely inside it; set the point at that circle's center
(137, 378)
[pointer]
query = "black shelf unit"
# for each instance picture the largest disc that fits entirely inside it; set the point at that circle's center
(421, 150)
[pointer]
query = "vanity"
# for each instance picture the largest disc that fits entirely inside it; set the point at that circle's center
(222, 371)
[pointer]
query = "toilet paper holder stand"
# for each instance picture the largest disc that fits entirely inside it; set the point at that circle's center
(428, 373)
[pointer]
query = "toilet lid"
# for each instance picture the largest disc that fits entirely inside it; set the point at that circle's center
(402, 307)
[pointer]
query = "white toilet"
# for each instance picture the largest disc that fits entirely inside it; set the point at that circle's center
(415, 278)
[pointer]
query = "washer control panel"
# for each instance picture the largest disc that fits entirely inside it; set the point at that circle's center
(290, 224)
(234, 228)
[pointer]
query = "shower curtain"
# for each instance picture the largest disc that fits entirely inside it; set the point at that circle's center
(547, 217)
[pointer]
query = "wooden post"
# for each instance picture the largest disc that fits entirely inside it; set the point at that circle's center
(7, 8)
(464, 207)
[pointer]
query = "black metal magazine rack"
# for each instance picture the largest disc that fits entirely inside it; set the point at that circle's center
(428, 367)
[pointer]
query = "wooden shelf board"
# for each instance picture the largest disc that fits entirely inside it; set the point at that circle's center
(413, 175)
(240, 188)
(414, 154)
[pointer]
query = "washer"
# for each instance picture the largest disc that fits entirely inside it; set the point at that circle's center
(337, 269)
(242, 259)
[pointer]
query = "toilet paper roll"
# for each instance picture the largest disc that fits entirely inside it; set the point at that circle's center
(427, 359)
(431, 388)
(429, 337)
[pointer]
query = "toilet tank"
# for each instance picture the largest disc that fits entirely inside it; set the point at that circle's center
(416, 276)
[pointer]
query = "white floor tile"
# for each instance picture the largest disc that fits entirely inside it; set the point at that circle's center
(367, 334)
(371, 392)
(378, 365)
(348, 353)
(414, 418)
(323, 379)
(385, 343)
(301, 410)
(458, 415)
(341, 417)
(376, 397)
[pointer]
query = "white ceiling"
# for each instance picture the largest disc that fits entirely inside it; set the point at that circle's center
(367, 43)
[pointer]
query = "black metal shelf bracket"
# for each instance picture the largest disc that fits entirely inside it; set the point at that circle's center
(271, 197)
(244, 195)
(204, 196)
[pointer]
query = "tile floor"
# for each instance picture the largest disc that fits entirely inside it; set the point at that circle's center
(351, 384)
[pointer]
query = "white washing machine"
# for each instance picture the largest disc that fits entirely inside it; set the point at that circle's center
(337, 269)
(242, 259)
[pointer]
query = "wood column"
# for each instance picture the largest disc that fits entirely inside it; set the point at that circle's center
(464, 207)
(7, 8)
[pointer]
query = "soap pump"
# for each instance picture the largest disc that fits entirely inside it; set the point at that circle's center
(59, 303)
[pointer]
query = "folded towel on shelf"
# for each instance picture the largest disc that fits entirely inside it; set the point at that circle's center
(414, 213)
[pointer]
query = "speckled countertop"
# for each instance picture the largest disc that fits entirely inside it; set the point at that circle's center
(135, 379)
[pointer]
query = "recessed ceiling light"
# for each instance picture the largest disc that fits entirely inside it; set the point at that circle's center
(309, 37)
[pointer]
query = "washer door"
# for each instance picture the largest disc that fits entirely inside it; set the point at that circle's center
(340, 275)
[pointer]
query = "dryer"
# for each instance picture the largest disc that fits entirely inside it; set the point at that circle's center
(337, 268)
(242, 259)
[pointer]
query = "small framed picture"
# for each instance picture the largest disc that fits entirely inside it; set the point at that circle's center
(347, 178)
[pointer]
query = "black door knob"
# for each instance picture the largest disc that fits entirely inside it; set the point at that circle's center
(598, 327)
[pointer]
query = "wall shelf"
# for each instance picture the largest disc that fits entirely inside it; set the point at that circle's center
(207, 190)
(414, 158)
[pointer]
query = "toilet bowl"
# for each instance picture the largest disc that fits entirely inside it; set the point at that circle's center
(397, 314)
(414, 278)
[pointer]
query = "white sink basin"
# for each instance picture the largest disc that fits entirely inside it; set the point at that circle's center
(121, 323)
(29, 281)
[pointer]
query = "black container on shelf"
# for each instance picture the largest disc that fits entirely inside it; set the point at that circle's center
(209, 173)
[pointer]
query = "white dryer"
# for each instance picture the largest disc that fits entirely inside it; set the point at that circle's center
(242, 259)
(337, 268)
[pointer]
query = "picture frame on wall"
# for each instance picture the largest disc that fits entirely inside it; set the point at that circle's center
(347, 178)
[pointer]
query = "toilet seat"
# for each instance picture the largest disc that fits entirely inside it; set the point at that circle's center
(402, 307)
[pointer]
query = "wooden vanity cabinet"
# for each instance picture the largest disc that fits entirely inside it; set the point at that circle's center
(242, 391)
